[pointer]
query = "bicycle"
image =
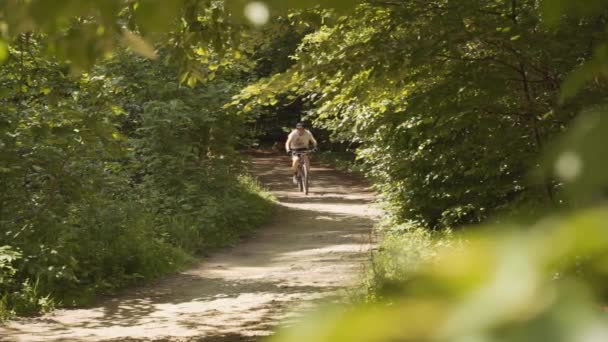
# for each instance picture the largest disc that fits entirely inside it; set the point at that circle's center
(303, 174)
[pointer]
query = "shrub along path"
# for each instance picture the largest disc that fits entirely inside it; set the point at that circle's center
(314, 248)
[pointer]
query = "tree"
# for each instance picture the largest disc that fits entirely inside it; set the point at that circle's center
(448, 100)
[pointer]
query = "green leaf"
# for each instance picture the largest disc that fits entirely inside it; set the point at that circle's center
(192, 81)
(585, 73)
(139, 45)
(3, 51)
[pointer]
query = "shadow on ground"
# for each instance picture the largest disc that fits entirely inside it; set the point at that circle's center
(311, 251)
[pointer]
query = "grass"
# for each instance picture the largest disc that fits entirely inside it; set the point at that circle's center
(403, 250)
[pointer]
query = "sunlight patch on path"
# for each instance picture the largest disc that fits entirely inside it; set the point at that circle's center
(313, 250)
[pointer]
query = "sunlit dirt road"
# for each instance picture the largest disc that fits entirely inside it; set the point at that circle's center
(313, 250)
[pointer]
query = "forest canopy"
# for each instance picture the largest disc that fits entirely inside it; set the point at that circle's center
(122, 122)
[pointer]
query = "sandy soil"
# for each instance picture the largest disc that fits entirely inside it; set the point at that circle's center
(312, 251)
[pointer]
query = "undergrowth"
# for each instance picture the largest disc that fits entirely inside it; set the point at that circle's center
(117, 244)
(404, 248)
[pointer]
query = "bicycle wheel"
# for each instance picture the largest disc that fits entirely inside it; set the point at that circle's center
(305, 180)
(300, 178)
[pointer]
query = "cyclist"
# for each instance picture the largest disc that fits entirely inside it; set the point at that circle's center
(300, 140)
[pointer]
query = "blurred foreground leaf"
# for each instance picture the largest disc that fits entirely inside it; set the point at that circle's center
(556, 10)
(139, 45)
(580, 158)
(246, 10)
(3, 51)
(596, 67)
(508, 287)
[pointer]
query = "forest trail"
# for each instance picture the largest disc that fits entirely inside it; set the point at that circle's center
(313, 249)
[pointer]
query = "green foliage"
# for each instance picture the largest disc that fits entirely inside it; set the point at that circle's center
(29, 300)
(86, 31)
(461, 111)
(518, 285)
(7, 257)
(554, 10)
(113, 177)
(341, 160)
(3, 51)
(544, 280)
(445, 102)
(404, 250)
(574, 159)
(593, 63)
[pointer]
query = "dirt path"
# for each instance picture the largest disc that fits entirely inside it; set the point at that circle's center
(313, 249)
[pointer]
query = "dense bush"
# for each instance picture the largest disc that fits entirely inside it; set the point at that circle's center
(113, 177)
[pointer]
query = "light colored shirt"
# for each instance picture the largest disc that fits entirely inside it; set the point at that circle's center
(295, 140)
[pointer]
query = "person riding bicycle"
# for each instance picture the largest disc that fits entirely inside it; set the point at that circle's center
(300, 140)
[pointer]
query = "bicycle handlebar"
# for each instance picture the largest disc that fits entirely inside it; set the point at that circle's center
(301, 152)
